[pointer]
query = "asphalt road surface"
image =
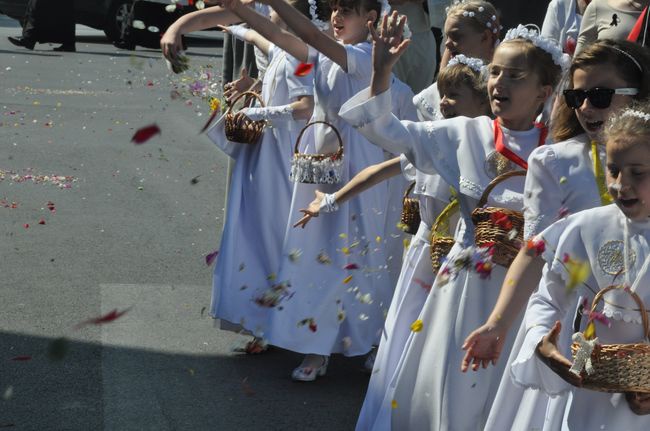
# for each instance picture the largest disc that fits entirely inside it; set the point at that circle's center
(91, 223)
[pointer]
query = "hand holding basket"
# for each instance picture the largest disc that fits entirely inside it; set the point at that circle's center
(241, 129)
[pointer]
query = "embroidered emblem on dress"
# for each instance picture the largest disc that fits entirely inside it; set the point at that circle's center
(497, 164)
(610, 257)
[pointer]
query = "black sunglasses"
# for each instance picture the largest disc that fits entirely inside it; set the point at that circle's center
(599, 98)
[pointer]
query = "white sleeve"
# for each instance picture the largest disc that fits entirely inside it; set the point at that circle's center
(543, 193)
(359, 61)
(408, 170)
(298, 85)
(428, 145)
(553, 22)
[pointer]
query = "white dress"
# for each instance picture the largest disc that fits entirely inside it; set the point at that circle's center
(428, 103)
(562, 23)
(430, 391)
(326, 311)
(411, 291)
(560, 181)
(595, 236)
(258, 203)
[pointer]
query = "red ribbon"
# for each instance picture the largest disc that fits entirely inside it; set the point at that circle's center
(636, 30)
(507, 152)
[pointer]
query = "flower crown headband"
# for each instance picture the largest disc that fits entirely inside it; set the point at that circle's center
(634, 113)
(476, 64)
(490, 23)
(548, 45)
(322, 25)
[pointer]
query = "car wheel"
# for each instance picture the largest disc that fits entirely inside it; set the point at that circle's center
(118, 22)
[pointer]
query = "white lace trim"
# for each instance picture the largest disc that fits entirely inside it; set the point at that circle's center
(471, 186)
(627, 316)
(305, 169)
(531, 225)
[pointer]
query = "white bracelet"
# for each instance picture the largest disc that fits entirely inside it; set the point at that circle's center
(238, 31)
(328, 204)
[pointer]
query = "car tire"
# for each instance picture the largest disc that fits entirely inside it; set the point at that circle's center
(118, 24)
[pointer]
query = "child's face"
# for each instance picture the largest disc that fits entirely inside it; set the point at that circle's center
(628, 175)
(461, 100)
(350, 26)
(515, 91)
(464, 39)
(602, 76)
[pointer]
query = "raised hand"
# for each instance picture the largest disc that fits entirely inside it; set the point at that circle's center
(312, 211)
(548, 352)
(388, 42)
(483, 346)
(235, 88)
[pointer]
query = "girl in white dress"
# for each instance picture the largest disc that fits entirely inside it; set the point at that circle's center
(430, 391)
(611, 245)
(330, 307)
(469, 30)
(250, 246)
(562, 179)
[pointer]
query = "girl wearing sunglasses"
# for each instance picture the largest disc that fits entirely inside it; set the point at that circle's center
(563, 178)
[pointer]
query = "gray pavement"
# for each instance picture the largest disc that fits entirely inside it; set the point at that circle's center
(130, 230)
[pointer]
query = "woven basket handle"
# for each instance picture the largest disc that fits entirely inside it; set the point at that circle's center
(408, 190)
(495, 182)
(639, 302)
(443, 217)
(245, 93)
(336, 132)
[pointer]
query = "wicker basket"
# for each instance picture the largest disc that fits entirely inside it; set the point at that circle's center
(619, 367)
(317, 168)
(240, 128)
(487, 232)
(441, 241)
(410, 218)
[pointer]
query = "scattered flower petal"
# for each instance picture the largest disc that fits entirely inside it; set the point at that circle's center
(22, 358)
(304, 69)
(393, 404)
(417, 326)
(351, 266)
(144, 134)
(578, 273)
(323, 258)
(106, 318)
(210, 258)
(347, 279)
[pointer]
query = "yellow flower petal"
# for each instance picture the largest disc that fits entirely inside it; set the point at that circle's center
(378, 239)
(393, 404)
(590, 331)
(345, 250)
(416, 326)
(347, 279)
(578, 273)
(343, 235)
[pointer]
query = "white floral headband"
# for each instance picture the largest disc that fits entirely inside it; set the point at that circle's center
(548, 45)
(476, 64)
(634, 113)
(490, 23)
(322, 25)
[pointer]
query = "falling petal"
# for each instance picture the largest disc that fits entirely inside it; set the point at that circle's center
(170, 7)
(340, 315)
(422, 284)
(600, 317)
(294, 255)
(106, 318)
(312, 326)
(323, 258)
(210, 119)
(345, 251)
(347, 279)
(343, 235)
(22, 358)
(393, 404)
(138, 24)
(590, 331)
(200, 4)
(347, 342)
(563, 180)
(153, 29)
(351, 266)
(210, 258)
(304, 69)
(195, 180)
(406, 242)
(8, 393)
(417, 326)
(578, 273)
(41, 221)
(215, 104)
(145, 133)
(377, 239)
(363, 316)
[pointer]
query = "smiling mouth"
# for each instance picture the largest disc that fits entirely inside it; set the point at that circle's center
(500, 99)
(593, 126)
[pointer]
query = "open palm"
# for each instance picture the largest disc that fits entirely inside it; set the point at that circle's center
(388, 42)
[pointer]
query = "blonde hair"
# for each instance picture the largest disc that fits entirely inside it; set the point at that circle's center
(632, 122)
(479, 15)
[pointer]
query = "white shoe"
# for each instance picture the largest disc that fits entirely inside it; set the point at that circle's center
(309, 374)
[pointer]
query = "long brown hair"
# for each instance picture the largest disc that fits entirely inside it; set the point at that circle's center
(632, 65)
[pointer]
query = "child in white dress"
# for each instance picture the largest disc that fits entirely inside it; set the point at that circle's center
(609, 246)
(470, 30)
(562, 179)
(330, 307)
(251, 247)
(430, 390)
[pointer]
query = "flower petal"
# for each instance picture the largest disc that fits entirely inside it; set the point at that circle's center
(304, 69)
(145, 133)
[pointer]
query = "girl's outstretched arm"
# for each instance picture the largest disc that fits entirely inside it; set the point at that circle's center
(283, 39)
(248, 35)
(170, 43)
(485, 343)
(309, 33)
(365, 179)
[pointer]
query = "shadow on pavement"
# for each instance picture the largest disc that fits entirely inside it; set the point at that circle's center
(117, 388)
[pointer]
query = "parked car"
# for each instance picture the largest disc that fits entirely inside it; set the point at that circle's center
(114, 17)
